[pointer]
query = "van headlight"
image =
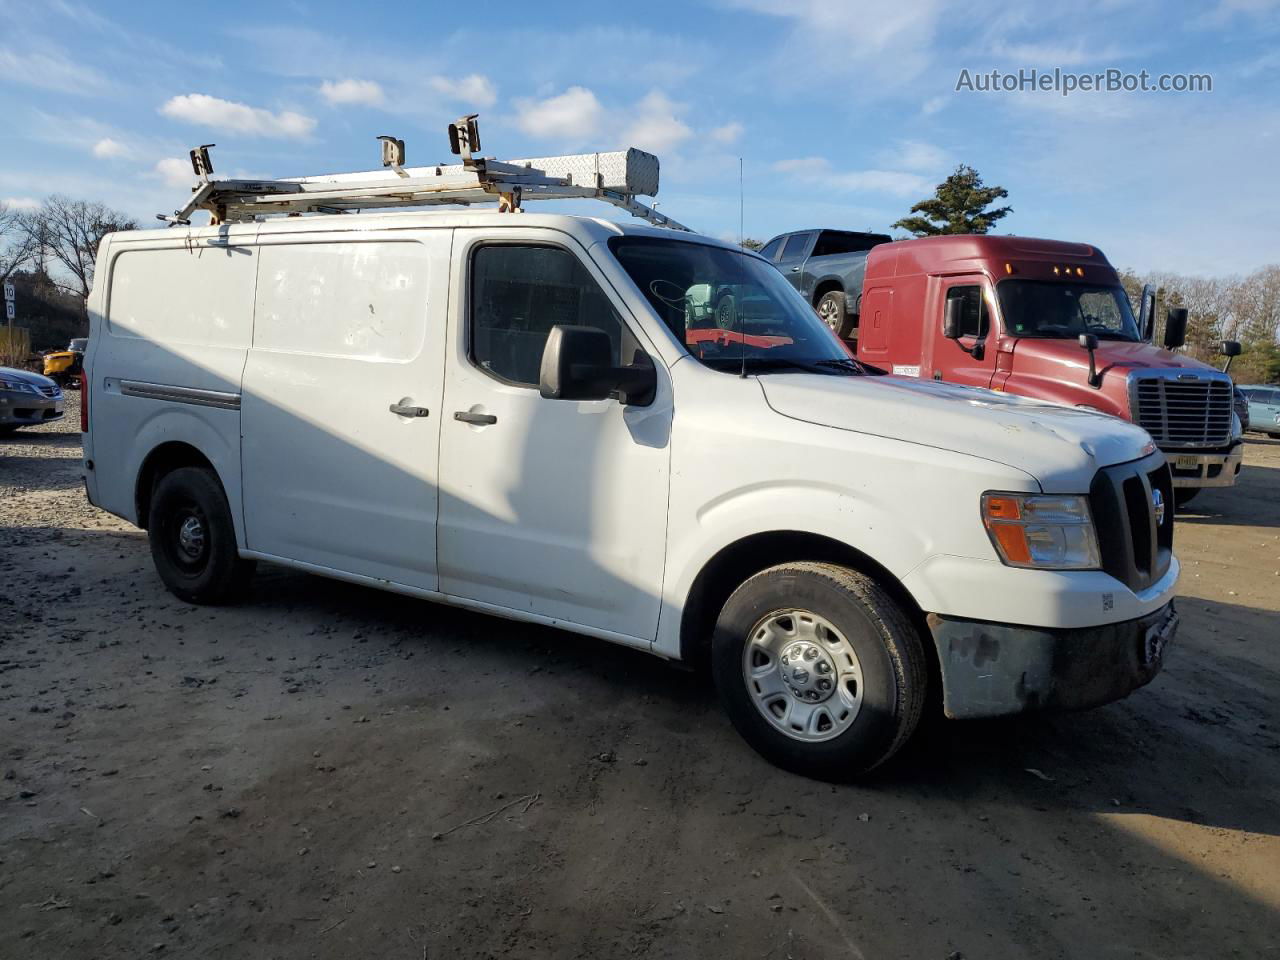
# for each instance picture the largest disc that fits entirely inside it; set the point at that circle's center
(1047, 532)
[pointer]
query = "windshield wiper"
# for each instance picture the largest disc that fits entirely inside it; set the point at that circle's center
(823, 366)
(844, 363)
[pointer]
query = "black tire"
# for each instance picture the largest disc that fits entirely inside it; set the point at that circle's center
(7, 430)
(213, 574)
(1184, 495)
(888, 648)
(831, 307)
(726, 312)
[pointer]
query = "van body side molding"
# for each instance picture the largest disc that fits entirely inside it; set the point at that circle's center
(176, 394)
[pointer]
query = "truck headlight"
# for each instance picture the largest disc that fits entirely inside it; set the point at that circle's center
(1048, 532)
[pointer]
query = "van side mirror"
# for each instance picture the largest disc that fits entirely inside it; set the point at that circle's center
(951, 315)
(577, 364)
(1175, 328)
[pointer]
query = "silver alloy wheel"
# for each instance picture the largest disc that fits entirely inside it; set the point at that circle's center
(803, 675)
(191, 537)
(828, 312)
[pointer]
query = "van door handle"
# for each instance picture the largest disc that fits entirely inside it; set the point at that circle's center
(407, 411)
(478, 419)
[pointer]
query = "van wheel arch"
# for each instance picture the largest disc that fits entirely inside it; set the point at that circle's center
(734, 564)
(161, 461)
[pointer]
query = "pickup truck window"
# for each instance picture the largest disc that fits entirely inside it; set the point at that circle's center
(518, 293)
(770, 252)
(731, 311)
(834, 242)
(974, 318)
(797, 243)
(1044, 308)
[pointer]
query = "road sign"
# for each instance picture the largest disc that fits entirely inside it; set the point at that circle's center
(8, 291)
(9, 312)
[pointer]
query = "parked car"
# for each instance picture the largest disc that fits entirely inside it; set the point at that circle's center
(537, 417)
(1264, 408)
(826, 266)
(64, 366)
(27, 399)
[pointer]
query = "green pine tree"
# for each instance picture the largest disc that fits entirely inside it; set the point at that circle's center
(959, 205)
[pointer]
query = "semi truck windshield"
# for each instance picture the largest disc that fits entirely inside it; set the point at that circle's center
(1036, 308)
(731, 310)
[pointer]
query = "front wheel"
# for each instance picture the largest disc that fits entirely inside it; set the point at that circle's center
(819, 669)
(193, 541)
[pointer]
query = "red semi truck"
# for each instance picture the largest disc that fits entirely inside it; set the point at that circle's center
(1050, 320)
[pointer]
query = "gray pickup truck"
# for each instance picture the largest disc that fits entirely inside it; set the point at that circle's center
(826, 266)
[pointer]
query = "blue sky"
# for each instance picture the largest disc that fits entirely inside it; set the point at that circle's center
(843, 113)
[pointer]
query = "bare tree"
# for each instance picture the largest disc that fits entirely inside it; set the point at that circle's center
(71, 230)
(18, 240)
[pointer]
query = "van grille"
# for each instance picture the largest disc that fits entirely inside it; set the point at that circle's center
(1134, 535)
(1184, 412)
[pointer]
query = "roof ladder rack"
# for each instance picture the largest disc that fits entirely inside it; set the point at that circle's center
(616, 178)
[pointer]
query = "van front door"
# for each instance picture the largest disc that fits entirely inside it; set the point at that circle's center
(341, 404)
(556, 508)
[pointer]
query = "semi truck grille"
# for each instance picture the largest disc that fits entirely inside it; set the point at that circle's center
(1132, 505)
(1184, 412)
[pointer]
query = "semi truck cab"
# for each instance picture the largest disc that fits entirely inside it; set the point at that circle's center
(1050, 320)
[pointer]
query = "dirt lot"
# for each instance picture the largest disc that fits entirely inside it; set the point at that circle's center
(329, 771)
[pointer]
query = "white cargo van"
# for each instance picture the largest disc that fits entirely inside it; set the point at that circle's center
(527, 416)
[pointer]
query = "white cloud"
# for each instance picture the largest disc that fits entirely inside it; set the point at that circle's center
(574, 116)
(49, 70)
(917, 155)
(366, 92)
(818, 170)
(655, 126)
(933, 105)
(21, 203)
(175, 172)
(729, 133)
(475, 90)
(107, 148)
(207, 111)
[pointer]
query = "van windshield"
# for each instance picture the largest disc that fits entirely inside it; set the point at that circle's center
(1039, 308)
(733, 311)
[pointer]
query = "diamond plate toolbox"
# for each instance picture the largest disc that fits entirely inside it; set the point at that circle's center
(629, 171)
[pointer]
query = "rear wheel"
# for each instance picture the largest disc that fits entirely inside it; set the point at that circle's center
(193, 541)
(831, 309)
(1184, 495)
(819, 669)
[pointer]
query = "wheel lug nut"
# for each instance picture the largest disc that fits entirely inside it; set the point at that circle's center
(811, 654)
(824, 667)
(824, 684)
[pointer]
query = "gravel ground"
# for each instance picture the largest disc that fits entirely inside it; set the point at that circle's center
(329, 771)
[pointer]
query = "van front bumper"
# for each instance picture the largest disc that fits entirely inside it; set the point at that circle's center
(995, 669)
(1194, 468)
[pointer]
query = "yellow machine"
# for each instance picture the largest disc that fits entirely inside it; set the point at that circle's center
(63, 366)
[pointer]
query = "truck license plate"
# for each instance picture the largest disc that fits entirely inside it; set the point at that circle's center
(1186, 463)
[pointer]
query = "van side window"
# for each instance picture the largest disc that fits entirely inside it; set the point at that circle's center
(518, 293)
(974, 316)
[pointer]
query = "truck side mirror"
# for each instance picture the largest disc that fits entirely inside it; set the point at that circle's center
(1147, 313)
(1175, 328)
(1230, 350)
(951, 315)
(1090, 342)
(577, 364)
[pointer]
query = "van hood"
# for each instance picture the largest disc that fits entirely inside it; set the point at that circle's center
(1061, 447)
